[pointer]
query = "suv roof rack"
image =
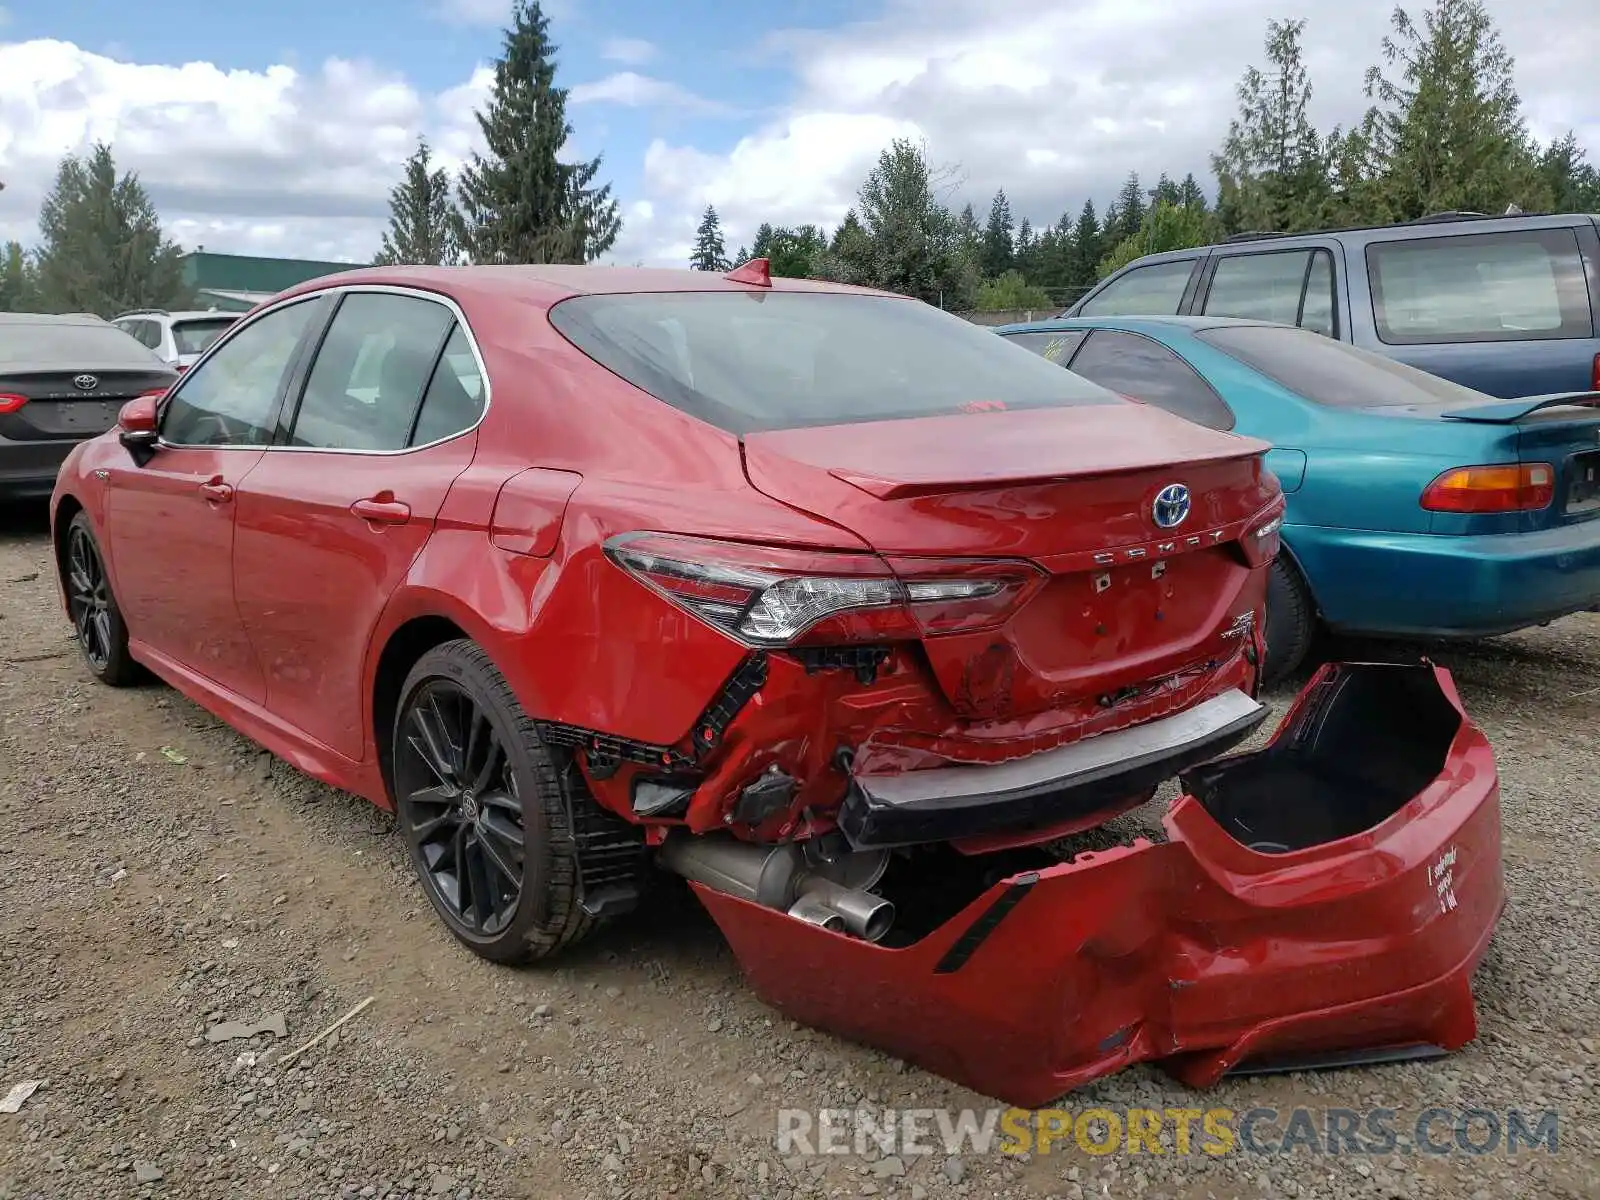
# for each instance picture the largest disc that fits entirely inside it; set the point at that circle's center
(142, 312)
(1258, 235)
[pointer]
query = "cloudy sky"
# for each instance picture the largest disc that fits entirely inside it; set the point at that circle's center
(279, 128)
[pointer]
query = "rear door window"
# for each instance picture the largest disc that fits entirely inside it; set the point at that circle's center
(1488, 287)
(1143, 368)
(367, 383)
(1290, 287)
(1151, 291)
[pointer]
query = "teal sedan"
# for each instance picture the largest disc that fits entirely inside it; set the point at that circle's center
(1417, 508)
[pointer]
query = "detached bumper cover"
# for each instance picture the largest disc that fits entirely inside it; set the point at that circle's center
(1077, 780)
(1200, 953)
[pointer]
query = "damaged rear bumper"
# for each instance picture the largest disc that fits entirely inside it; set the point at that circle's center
(1078, 781)
(1328, 895)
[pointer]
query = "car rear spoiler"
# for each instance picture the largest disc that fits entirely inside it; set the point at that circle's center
(1508, 412)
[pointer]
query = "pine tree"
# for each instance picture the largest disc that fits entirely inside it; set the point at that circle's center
(520, 203)
(1190, 194)
(790, 252)
(1574, 184)
(1130, 210)
(17, 283)
(102, 248)
(422, 216)
(1272, 167)
(999, 251)
(1086, 248)
(971, 234)
(1447, 127)
(709, 252)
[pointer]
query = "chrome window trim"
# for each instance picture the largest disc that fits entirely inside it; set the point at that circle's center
(343, 290)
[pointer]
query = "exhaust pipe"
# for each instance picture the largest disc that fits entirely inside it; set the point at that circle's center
(786, 878)
(864, 914)
(814, 912)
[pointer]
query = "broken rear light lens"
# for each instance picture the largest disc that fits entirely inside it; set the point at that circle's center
(1498, 488)
(775, 596)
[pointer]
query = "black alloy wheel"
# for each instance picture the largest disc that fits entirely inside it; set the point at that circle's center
(461, 806)
(481, 807)
(92, 606)
(89, 598)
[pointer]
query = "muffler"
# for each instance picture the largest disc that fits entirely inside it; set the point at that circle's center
(803, 880)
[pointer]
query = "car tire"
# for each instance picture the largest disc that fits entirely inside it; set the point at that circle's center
(462, 815)
(1291, 621)
(97, 624)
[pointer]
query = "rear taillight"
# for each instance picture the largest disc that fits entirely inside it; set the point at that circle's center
(1261, 541)
(1594, 375)
(154, 394)
(775, 596)
(9, 402)
(1506, 487)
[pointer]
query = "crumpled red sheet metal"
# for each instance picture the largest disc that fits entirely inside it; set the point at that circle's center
(1199, 953)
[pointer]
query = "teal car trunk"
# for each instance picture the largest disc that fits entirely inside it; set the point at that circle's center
(1416, 507)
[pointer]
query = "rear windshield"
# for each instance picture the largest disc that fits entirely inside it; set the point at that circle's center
(67, 345)
(195, 337)
(747, 361)
(1335, 373)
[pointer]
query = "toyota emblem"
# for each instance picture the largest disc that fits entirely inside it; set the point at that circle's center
(1171, 508)
(85, 383)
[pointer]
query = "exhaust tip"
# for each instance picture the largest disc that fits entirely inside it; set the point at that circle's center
(878, 922)
(814, 912)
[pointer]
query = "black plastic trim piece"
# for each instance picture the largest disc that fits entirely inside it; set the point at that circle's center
(604, 753)
(1035, 793)
(988, 921)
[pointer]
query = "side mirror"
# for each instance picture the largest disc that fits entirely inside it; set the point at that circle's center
(136, 423)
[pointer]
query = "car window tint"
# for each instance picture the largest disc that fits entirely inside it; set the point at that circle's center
(152, 335)
(229, 398)
(1480, 288)
(747, 360)
(1146, 370)
(1317, 312)
(370, 372)
(454, 400)
(1262, 287)
(1155, 290)
(1055, 347)
(1333, 373)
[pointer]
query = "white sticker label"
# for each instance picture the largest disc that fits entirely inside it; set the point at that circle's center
(1442, 879)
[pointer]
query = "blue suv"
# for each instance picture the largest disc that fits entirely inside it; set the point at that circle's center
(1506, 305)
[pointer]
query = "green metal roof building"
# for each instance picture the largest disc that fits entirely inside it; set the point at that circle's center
(238, 282)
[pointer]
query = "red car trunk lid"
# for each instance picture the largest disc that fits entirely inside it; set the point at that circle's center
(1074, 490)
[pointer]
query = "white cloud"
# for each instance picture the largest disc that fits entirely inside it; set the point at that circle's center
(631, 51)
(1058, 104)
(276, 161)
(632, 90)
(1055, 106)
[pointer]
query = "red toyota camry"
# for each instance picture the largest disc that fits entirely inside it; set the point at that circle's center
(781, 585)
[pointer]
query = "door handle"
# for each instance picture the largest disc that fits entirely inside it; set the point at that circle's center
(382, 510)
(216, 491)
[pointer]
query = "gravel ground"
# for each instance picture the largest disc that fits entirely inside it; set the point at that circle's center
(160, 876)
